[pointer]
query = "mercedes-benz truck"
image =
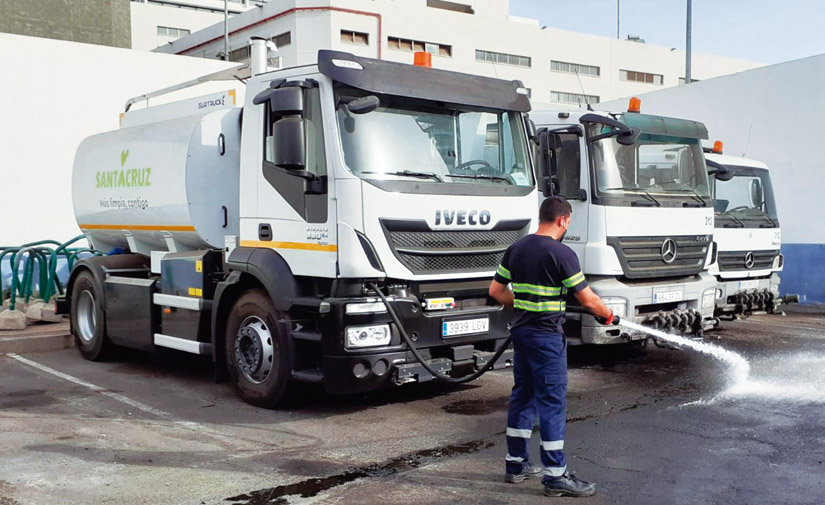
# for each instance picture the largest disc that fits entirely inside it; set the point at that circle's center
(642, 215)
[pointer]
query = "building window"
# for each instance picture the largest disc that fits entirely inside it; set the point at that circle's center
(450, 6)
(506, 59)
(167, 31)
(239, 55)
(574, 68)
(282, 40)
(630, 75)
(399, 44)
(574, 98)
(357, 38)
(682, 80)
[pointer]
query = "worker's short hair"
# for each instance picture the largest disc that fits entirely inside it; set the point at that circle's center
(553, 208)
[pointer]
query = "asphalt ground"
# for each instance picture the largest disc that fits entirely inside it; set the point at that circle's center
(659, 427)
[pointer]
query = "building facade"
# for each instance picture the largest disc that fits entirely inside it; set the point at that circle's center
(102, 22)
(477, 36)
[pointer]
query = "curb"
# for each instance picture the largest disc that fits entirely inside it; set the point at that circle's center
(37, 338)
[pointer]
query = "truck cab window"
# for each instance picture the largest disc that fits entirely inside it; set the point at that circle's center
(568, 164)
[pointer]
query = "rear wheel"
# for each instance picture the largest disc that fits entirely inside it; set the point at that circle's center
(257, 350)
(88, 325)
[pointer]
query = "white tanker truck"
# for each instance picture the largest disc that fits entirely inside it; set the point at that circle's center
(261, 235)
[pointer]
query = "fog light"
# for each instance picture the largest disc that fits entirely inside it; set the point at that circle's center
(368, 336)
(369, 307)
(708, 298)
(617, 305)
(778, 262)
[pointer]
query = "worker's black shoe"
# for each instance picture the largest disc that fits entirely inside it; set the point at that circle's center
(530, 471)
(568, 485)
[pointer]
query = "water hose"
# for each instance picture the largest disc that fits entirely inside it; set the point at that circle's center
(436, 374)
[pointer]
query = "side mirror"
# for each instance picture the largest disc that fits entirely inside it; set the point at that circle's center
(757, 197)
(629, 138)
(531, 128)
(364, 104)
(289, 143)
(287, 101)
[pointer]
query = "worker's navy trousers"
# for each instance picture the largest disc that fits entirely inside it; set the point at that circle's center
(540, 375)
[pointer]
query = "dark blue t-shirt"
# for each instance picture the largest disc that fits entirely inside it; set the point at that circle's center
(542, 270)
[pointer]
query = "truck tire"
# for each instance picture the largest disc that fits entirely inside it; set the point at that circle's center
(88, 321)
(257, 352)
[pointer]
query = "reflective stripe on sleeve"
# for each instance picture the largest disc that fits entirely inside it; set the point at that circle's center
(573, 280)
(503, 272)
(554, 445)
(515, 432)
(555, 471)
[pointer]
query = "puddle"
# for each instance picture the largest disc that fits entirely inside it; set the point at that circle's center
(311, 487)
(476, 407)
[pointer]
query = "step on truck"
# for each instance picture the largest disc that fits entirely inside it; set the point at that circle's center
(259, 235)
(642, 215)
(747, 234)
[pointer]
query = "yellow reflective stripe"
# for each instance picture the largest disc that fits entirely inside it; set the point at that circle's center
(540, 306)
(535, 289)
(503, 272)
(573, 280)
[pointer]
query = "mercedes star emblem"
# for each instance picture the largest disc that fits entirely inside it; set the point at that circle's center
(749, 260)
(669, 250)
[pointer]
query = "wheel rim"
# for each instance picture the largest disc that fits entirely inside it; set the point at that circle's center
(86, 316)
(254, 350)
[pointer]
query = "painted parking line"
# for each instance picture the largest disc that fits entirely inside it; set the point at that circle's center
(114, 396)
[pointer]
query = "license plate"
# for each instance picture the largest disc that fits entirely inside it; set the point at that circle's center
(748, 284)
(465, 327)
(667, 296)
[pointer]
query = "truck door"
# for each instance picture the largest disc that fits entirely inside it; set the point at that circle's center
(562, 173)
(295, 213)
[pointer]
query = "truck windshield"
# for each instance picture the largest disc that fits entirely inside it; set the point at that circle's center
(656, 170)
(436, 145)
(746, 200)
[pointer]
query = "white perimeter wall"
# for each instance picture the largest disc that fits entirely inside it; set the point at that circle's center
(773, 114)
(53, 94)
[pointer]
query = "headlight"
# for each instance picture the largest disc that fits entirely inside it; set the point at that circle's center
(370, 307)
(617, 305)
(368, 336)
(708, 298)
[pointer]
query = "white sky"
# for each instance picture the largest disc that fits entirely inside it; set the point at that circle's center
(766, 31)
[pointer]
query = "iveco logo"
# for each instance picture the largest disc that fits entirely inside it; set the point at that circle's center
(669, 250)
(462, 217)
(749, 260)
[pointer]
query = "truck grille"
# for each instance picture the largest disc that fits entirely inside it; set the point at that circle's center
(642, 257)
(426, 251)
(736, 260)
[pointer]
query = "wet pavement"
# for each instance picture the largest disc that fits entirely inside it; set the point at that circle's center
(658, 427)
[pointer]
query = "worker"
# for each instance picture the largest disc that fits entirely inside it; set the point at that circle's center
(541, 270)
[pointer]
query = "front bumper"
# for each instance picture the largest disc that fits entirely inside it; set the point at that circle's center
(642, 302)
(731, 302)
(351, 370)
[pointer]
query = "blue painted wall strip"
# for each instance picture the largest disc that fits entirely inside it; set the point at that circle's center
(804, 272)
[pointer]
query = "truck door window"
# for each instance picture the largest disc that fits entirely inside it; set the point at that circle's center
(568, 164)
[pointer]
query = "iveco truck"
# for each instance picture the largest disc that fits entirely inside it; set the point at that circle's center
(747, 234)
(259, 234)
(642, 215)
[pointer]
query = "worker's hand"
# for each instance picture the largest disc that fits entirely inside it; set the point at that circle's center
(613, 319)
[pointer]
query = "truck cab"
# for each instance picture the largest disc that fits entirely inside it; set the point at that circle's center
(747, 234)
(642, 215)
(268, 228)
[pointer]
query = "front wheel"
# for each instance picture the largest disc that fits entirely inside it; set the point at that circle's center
(87, 318)
(257, 350)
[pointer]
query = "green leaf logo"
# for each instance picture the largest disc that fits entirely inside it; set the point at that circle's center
(123, 156)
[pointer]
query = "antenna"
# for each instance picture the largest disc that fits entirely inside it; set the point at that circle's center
(748, 142)
(584, 95)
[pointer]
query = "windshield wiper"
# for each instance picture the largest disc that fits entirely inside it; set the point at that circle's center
(774, 224)
(735, 219)
(644, 193)
(480, 176)
(693, 194)
(410, 173)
